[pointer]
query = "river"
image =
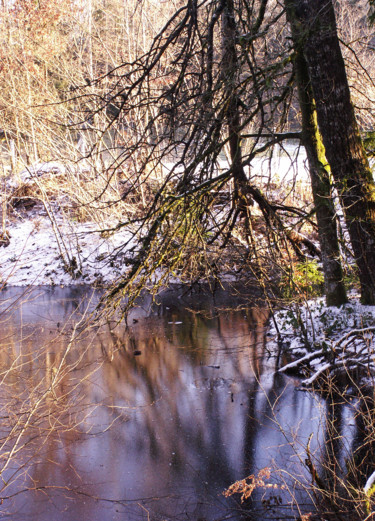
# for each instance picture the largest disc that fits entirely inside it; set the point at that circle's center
(149, 421)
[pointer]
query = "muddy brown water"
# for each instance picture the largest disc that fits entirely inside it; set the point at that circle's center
(149, 422)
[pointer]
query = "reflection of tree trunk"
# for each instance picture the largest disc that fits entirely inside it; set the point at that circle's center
(320, 182)
(251, 432)
(361, 465)
(333, 446)
(339, 129)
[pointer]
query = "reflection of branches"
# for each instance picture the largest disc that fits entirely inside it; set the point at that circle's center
(40, 397)
(171, 379)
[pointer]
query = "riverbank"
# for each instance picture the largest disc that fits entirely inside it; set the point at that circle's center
(56, 218)
(48, 248)
(328, 342)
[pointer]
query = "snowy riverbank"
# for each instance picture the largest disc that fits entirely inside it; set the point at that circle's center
(48, 247)
(327, 341)
(42, 251)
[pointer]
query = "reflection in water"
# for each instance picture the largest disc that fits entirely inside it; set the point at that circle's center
(152, 421)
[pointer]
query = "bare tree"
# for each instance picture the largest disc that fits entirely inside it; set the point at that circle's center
(230, 82)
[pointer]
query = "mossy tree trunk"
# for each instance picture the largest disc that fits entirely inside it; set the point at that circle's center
(338, 126)
(319, 174)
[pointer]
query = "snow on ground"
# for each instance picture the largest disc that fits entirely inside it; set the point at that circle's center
(322, 323)
(34, 254)
(39, 252)
(327, 339)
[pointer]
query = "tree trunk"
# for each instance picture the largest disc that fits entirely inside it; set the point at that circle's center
(340, 133)
(320, 179)
(230, 73)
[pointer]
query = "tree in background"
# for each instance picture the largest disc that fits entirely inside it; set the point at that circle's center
(32, 41)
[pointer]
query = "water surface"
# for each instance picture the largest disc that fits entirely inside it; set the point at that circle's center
(147, 422)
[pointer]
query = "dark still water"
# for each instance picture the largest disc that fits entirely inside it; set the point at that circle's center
(150, 422)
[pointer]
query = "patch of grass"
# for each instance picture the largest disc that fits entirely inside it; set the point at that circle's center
(304, 278)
